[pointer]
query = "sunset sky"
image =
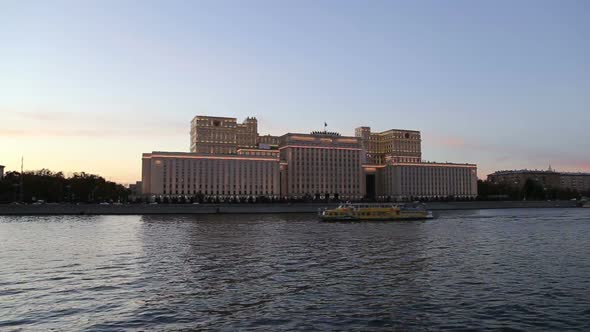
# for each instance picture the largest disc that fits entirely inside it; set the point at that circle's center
(90, 85)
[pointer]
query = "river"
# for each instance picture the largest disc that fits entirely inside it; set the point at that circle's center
(524, 269)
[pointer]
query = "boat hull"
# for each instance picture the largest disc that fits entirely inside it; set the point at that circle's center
(357, 219)
(374, 212)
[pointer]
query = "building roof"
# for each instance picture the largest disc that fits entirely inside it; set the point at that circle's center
(522, 171)
(536, 171)
(319, 134)
(193, 155)
(400, 130)
(388, 130)
(325, 133)
(215, 117)
(433, 163)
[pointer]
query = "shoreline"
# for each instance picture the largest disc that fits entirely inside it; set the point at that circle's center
(155, 209)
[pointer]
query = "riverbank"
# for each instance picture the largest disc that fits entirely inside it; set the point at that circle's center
(138, 209)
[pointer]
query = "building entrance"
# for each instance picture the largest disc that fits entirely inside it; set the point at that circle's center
(370, 186)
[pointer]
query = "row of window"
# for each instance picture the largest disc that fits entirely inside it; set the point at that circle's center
(217, 192)
(432, 181)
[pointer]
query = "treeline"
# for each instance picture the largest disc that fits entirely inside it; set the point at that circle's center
(531, 191)
(54, 187)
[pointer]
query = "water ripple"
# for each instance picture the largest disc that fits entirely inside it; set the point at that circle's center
(517, 270)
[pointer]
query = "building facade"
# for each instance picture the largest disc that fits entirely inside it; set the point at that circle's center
(230, 159)
(403, 181)
(579, 182)
(320, 165)
(269, 141)
(518, 178)
(223, 176)
(547, 178)
(1, 172)
(135, 188)
(247, 133)
(222, 135)
(394, 145)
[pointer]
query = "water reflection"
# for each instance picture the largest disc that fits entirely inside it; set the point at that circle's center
(524, 269)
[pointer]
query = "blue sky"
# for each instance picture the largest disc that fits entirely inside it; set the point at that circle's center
(91, 85)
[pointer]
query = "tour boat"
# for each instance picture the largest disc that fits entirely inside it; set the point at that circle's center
(375, 212)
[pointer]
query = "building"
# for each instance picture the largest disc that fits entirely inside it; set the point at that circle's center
(221, 135)
(579, 182)
(402, 181)
(247, 133)
(394, 168)
(135, 188)
(547, 178)
(517, 178)
(322, 164)
(393, 145)
(230, 159)
(245, 174)
(268, 142)
(1, 172)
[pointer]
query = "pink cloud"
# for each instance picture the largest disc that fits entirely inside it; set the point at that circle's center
(573, 165)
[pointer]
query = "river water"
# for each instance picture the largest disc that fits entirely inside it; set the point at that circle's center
(524, 269)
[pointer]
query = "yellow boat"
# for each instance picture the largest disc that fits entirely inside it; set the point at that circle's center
(375, 212)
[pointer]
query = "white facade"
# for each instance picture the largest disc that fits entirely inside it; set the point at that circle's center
(427, 180)
(322, 164)
(227, 161)
(177, 173)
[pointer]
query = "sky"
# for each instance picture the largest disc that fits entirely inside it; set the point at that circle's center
(91, 85)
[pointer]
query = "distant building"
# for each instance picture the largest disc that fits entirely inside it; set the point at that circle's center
(549, 179)
(575, 181)
(517, 178)
(135, 188)
(230, 159)
(1, 172)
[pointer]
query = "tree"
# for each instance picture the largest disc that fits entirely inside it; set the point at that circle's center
(54, 187)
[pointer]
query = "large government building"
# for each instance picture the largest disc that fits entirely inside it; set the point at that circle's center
(228, 159)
